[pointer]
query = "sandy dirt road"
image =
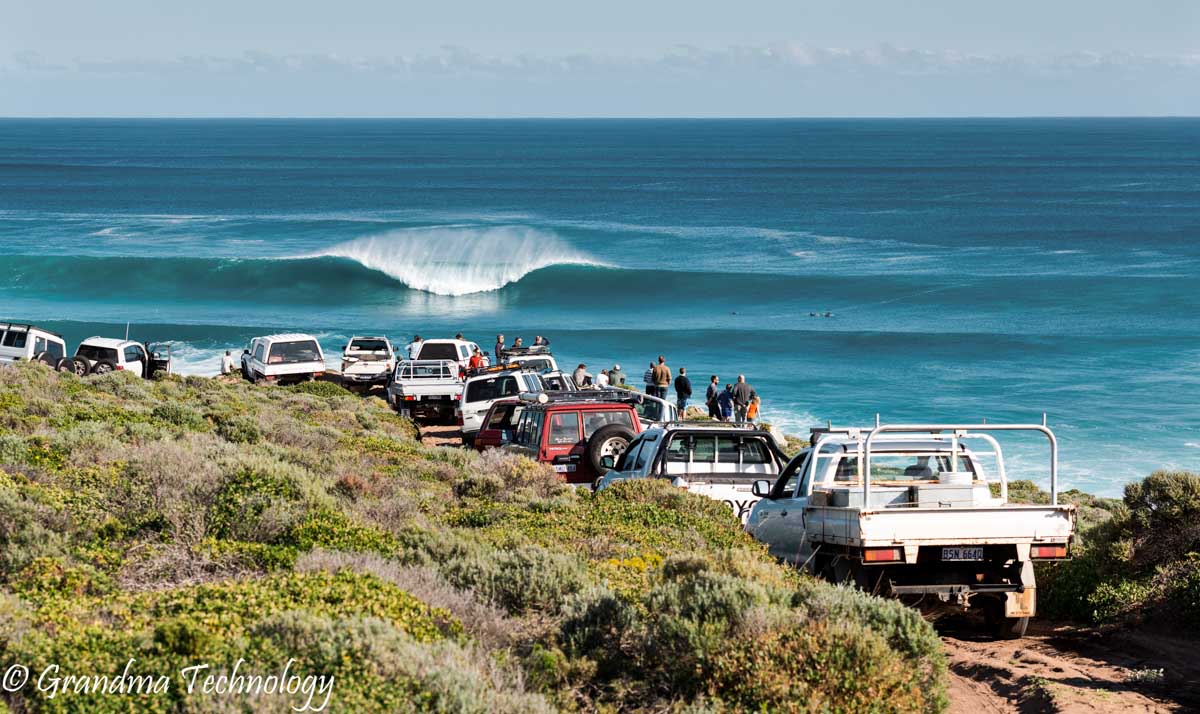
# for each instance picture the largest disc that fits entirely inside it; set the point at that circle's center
(1065, 669)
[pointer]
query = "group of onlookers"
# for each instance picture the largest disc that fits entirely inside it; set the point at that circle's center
(736, 402)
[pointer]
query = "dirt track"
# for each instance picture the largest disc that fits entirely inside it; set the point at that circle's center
(1069, 670)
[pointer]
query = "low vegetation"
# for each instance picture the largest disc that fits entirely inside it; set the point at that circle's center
(189, 520)
(1136, 559)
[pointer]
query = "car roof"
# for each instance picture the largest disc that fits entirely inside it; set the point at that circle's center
(565, 404)
(450, 340)
(18, 326)
(369, 337)
(111, 342)
(713, 428)
(287, 337)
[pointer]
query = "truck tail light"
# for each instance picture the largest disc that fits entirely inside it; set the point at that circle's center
(409, 398)
(883, 555)
(1048, 552)
(270, 378)
(318, 374)
(121, 367)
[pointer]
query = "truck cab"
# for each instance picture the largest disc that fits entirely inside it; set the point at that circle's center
(283, 359)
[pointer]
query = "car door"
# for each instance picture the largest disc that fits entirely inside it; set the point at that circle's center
(134, 360)
(778, 520)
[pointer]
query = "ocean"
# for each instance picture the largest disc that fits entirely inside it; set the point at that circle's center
(972, 269)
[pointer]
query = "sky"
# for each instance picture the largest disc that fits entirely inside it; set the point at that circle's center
(612, 58)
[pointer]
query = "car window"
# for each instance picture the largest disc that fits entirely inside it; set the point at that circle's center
(484, 390)
(439, 350)
(704, 451)
(56, 349)
(564, 428)
(677, 450)
(369, 345)
(39, 345)
(594, 420)
(12, 338)
(294, 352)
(651, 410)
(629, 456)
(259, 351)
(131, 354)
(911, 467)
(500, 416)
(789, 480)
(754, 451)
(463, 353)
(95, 354)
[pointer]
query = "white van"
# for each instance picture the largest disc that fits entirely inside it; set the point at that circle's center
(282, 359)
(458, 351)
(29, 343)
(101, 355)
(484, 388)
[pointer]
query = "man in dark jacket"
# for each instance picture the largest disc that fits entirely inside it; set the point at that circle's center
(683, 391)
(710, 397)
(743, 394)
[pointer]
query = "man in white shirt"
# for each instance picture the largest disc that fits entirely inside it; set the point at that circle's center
(602, 379)
(414, 347)
(227, 363)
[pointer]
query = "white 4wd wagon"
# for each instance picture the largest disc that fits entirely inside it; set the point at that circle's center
(30, 343)
(281, 359)
(101, 355)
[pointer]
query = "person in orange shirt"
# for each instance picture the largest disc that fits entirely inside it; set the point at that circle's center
(752, 410)
(476, 360)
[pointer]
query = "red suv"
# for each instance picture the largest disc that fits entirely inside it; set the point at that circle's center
(574, 432)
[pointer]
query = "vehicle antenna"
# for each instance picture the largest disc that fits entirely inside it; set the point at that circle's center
(1043, 418)
(126, 331)
(876, 420)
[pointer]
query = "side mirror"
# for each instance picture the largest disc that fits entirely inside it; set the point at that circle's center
(608, 462)
(761, 488)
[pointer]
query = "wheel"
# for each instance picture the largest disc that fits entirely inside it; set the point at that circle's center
(246, 373)
(1001, 627)
(66, 364)
(47, 359)
(611, 440)
(468, 440)
(80, 366)
(104, 366)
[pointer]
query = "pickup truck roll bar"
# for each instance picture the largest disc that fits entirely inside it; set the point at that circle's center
(959, 431)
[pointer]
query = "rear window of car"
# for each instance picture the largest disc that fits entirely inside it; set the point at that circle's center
(293, 352)
(483, 390)
(564, 428)
(369, 345)
(504, 417)
(594, 420)
(442, 350)
(538, 365)
(408, 370)
(652, 410)
(95, 354)
(12, 338)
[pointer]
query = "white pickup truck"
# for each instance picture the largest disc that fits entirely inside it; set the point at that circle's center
(428, 390)
(367, 361)
(913, 511)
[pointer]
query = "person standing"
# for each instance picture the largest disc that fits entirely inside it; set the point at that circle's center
(662, 378)
(743, 394)
(710, 397)
(683, 391)
(227, 363)
(648, 378)
(752, 410)
(725, 403)
(616, 377)
(414, 347)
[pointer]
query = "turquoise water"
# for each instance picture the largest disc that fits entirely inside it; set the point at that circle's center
(973, 268)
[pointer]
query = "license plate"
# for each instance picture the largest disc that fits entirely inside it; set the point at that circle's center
(564, 468)
(962, 553)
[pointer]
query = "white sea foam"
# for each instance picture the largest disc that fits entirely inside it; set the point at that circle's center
(459, 260)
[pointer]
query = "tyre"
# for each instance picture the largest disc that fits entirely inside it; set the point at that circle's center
(246, 373)
(47, 359)
(611, 440)
(81, 366)
(1001, 627)
(104, 366)
(66, 364)
(468, 440)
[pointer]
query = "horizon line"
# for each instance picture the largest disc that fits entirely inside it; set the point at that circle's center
(583, 117)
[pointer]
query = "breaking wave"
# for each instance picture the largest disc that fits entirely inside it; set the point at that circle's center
(458, 261)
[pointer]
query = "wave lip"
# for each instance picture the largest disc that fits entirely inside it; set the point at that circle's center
(458, 260)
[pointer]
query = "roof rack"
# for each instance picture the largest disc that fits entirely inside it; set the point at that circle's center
(497, 368)
(582, 396)
(523, 351)
(26, 327)
(713, 423)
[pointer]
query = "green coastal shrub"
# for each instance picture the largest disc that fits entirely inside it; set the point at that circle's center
(318, 388)
(520, 580)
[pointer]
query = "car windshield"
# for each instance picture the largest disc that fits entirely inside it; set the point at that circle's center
(94, 353)
(293, 352)
(369, 345)
(442, 350)
(538, 365)
(482, 390)
(652, 410)
(902, 467)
